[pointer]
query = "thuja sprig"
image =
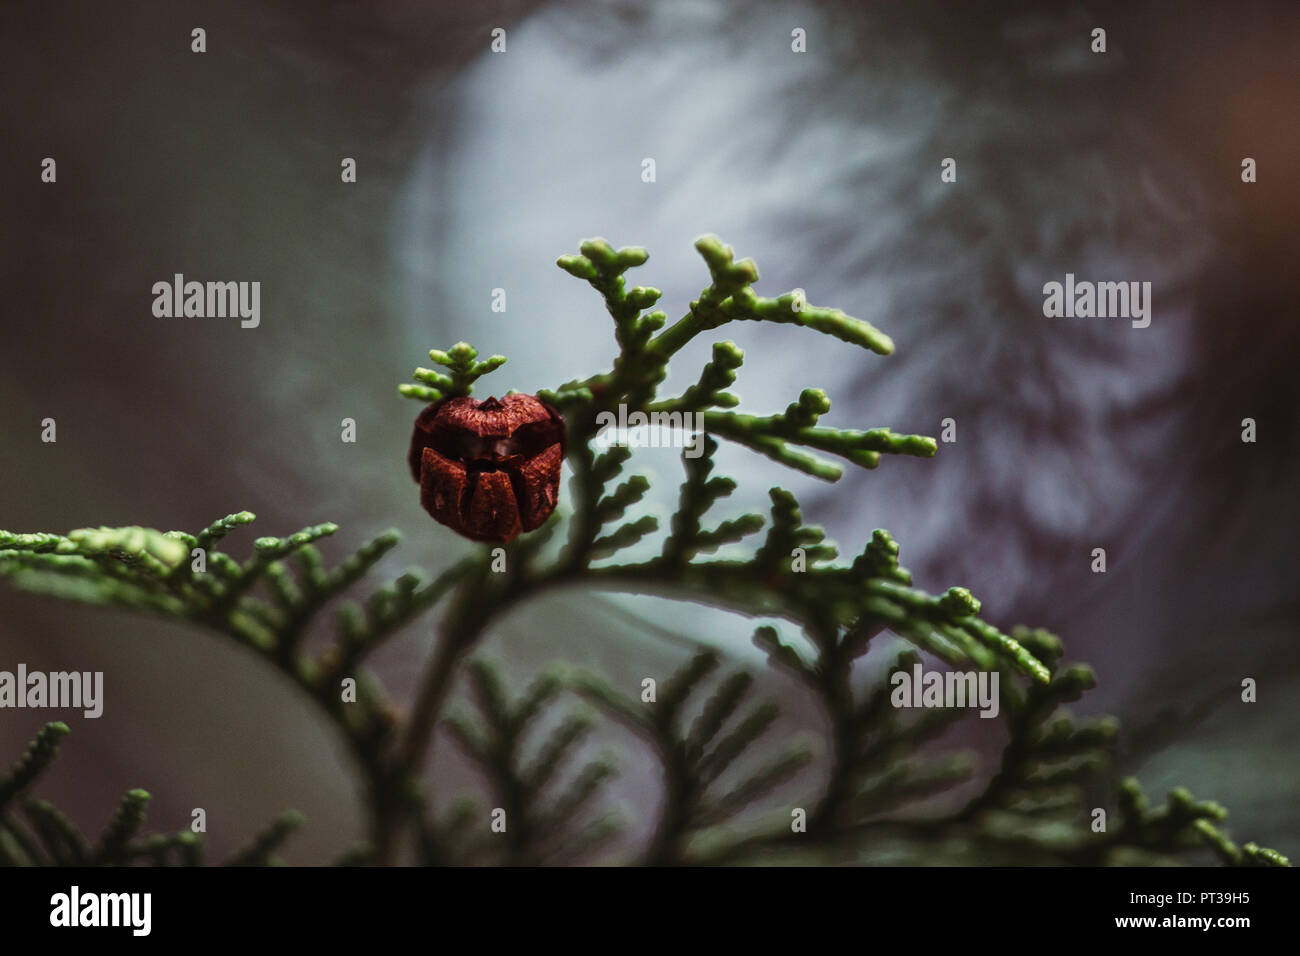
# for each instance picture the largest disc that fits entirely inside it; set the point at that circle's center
(40, 754)
(114, 845)
(265, 602)
(700, 492)
(48, 837)
(547, 813)
(729, 297)
(458, 380)
(642, 364)
(261, 851)
(694, 755)
(1182, 823)
(603, 266)
(718, 374)
(643, 357)
(790, 575)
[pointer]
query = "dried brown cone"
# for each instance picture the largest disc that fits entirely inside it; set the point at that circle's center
(489, 470)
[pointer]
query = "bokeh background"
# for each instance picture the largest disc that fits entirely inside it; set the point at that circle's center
(475, 170)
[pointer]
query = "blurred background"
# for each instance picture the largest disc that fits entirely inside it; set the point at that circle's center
(475, 170)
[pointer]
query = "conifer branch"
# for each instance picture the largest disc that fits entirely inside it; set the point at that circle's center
(113, 848)
(542, 815)
(49, 838)
(699, 728)
(690, 758)
(40, 754)
(459, 380)
(261, 851)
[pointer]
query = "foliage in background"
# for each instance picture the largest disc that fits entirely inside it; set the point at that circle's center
(709, 737)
